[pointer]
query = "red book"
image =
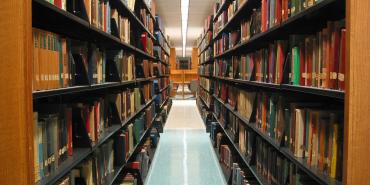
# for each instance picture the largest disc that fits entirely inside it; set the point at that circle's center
(134, 165)
(58, 3)
(334, 67)
(309, 54)
(278, 11)
(68, 115)
(280, 62)
(96, 119)
(144, 41)
(127, 147)
(342, 60)
(264, 113)
(284, 10)
(263, 16)
(302, 65)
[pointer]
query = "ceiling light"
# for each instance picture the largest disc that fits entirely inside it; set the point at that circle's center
(184, 23)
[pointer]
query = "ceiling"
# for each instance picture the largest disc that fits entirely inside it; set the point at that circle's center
(170, 13)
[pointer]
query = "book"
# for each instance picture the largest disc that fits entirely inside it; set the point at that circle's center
(316, 59)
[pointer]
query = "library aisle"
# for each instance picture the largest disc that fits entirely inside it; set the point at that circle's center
(185, 154)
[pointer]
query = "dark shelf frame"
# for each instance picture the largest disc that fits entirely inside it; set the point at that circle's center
(211, 60)
(206, 76)
(206, 90)
(335, 94)
(162, 61)
(313, 173)
(161, 90)
(86, 88)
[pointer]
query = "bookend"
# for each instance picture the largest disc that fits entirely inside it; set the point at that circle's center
(113, 114)
(78, 8)
(80, 137)
(112, 73)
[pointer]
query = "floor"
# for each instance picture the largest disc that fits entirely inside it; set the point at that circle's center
(185, 155)
(183, 92)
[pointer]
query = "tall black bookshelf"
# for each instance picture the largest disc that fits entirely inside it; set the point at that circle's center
(73, 24)
(311, 19)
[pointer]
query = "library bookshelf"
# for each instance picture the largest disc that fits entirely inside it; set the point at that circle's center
(147, 44)
(218, 109)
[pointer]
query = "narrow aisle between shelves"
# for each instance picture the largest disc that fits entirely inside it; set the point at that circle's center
(185, 154)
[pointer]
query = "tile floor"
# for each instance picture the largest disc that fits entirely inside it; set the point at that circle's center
(185, 155)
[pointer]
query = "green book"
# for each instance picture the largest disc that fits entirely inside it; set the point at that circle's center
(296, 65)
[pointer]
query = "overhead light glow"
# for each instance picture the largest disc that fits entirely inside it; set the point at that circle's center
(184, 23)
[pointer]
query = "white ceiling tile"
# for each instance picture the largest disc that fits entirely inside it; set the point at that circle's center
(170, 13)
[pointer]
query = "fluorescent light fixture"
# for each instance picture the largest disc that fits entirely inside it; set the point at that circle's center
(184, 23)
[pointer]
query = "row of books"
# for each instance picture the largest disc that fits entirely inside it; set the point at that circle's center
(161, 83)
(130, 101)
(161, 40)
(265, 65)
(110, 155)
(270, 163)
(206, 83)
(206, 41)
(227, 14)
(160, 54)
(206, 69)
(61, 128)
(206, 97)
(237, 99)
(120, 26)
(60, 62)
(160, 98)
(146, 44)
(160, 69)
(276, 168)
(239, 176)
(99, 14)
(147, 20)
(206, 56)
(309, 130)
(311, 60)
(274, 12)
(62, 4)
(127, 140)
(319, 60)
(124, 64)
(207, 35)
